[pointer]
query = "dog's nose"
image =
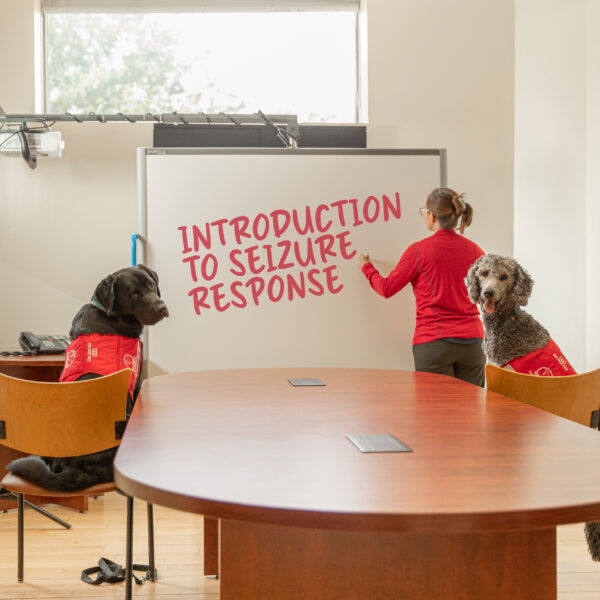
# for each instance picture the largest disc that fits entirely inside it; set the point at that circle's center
(163, 311)
(488, 294)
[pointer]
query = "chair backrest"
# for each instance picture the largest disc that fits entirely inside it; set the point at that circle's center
(574, 397)
(63, 419)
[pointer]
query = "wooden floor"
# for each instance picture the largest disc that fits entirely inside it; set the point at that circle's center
(55, 557)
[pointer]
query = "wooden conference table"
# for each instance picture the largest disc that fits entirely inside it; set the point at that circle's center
(470, 513)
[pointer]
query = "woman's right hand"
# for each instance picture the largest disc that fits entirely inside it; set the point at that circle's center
(363, 259)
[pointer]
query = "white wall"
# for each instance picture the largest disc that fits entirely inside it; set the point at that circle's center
(556, 152)
(17, 60)
(439, 75)
(592, 196)
(65, 225)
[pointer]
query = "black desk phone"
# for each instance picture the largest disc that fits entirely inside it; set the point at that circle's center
(43, 344)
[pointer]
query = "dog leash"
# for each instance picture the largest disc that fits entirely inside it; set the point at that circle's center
(111, 572)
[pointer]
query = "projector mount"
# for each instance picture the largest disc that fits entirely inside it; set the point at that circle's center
(19, 127)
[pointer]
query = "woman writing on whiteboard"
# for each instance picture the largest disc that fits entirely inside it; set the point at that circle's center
(448, 332)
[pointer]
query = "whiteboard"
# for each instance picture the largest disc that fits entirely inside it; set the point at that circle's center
(257, 254)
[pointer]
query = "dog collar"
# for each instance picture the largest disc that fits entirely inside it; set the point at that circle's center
(97, 304)
(511, 317)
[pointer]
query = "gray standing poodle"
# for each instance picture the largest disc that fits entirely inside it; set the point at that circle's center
(502, 286)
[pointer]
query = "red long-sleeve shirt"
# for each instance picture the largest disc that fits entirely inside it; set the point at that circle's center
(436, 267)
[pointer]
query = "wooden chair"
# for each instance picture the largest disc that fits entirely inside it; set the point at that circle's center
(62, 420)
(575, 397)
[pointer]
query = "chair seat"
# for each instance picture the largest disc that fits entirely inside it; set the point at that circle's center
(19, 485)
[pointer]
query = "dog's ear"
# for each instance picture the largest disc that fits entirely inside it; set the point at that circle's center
(472, 282)
(105, 294)
(523, 284)
(152, 274)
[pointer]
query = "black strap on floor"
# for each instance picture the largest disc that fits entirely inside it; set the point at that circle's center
(111, 572)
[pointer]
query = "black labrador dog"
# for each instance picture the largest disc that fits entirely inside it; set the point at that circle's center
(122, 304)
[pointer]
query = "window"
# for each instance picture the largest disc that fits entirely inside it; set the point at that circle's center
(244, 58)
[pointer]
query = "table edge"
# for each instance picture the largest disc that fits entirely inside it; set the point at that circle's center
(401, 522)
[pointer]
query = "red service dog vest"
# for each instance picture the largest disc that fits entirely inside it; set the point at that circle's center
(103, 354)
(548, 361)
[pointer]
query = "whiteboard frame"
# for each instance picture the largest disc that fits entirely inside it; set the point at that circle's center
(142, 191)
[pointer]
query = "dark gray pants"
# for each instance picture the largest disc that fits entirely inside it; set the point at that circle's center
(463, 361)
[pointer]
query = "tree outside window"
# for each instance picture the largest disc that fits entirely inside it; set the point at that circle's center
(204, 62)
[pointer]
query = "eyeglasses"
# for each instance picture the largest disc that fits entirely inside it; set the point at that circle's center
(424, 211)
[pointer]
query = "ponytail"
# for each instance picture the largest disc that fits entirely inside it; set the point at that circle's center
(462, 209)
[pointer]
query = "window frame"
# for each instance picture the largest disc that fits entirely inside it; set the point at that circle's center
(49, 7)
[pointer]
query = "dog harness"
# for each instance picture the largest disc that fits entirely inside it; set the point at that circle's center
(548, 361)
(103, 355)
